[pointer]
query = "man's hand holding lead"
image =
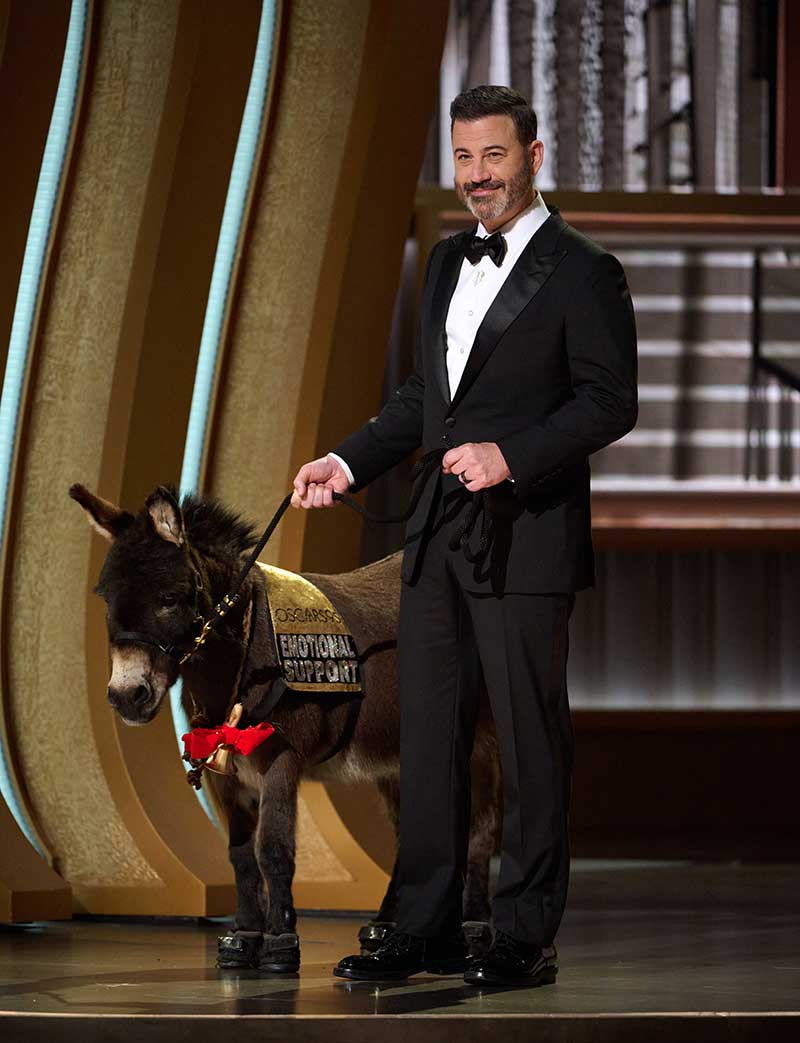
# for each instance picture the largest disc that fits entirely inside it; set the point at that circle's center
(316, 482)
(479, 465)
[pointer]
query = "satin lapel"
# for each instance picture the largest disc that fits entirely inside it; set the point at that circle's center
(445, 286)
(527, 277)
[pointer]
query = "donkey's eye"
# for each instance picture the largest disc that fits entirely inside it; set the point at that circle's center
(169, 600)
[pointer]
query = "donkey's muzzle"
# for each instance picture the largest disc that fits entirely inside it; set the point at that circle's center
(134, 704)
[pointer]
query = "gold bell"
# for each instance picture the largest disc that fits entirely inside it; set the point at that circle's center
(221, 760)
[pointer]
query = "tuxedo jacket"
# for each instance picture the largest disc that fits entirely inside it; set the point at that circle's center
(551, 378)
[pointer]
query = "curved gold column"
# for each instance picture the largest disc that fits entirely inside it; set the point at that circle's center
(306, 348)
(106, 405)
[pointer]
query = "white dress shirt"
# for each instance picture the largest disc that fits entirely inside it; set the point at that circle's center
(477, 286)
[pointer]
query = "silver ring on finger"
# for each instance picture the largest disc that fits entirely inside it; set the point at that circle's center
(463, 478)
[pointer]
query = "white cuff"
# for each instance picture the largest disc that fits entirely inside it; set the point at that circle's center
(344, 466)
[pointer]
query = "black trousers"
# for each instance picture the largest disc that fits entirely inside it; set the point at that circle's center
(522, 643)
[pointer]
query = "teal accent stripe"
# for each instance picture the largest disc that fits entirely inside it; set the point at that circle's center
(230, 233)
(30, 285)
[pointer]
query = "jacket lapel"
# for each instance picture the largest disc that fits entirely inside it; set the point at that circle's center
(445, 287)
(535, 265)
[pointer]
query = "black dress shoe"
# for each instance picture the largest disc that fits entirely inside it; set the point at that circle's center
(510, 962)
(402, 955)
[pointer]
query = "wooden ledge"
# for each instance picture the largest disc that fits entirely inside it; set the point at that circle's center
(669, 719)
(696, 520)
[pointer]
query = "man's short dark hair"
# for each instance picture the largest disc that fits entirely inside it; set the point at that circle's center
(477, 102)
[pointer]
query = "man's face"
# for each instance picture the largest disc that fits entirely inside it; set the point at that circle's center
(493, 171)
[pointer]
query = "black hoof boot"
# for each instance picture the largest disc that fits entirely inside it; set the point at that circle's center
(373, 934)
(280, 953)
(478, 936)
(238, 950)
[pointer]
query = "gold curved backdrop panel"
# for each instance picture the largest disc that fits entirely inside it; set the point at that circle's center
(304, 358)
(106, 405)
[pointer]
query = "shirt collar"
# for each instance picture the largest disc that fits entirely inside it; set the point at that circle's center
(523, 225)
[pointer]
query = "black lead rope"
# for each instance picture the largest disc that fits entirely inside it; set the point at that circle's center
(460, 539)
(420, 474)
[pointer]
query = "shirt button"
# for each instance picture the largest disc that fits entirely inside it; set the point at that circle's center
(470, 313)
(461, 350)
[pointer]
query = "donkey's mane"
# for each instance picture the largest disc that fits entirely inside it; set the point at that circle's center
(215, 529)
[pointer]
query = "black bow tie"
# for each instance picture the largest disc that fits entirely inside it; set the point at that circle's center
(494, 245)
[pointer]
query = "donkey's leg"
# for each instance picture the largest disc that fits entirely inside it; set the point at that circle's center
(373, 934)
(242, 947)
(250, 898)
(275, 854)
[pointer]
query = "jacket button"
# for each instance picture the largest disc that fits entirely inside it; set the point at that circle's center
(450, 421)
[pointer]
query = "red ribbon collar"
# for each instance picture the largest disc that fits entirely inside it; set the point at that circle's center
(200, 743)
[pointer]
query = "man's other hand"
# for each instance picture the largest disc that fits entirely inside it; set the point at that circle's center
(480, 465)
(316, 482)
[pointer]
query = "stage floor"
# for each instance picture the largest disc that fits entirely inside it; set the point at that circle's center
(647, 951)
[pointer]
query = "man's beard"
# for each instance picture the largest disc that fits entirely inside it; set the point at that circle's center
(507, 197)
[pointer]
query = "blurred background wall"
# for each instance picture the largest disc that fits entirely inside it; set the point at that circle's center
(215, 222)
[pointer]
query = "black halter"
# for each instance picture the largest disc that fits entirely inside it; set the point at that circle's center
(180, 655)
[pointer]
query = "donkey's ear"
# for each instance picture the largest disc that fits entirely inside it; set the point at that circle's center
(108, 520)
(165, 514)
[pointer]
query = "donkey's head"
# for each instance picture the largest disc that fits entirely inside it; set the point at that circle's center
(153, 590)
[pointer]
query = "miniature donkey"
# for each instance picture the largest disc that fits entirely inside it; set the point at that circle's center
(165, 569)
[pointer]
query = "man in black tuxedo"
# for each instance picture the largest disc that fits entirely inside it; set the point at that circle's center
(525, 365)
